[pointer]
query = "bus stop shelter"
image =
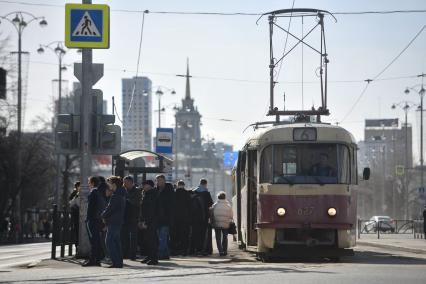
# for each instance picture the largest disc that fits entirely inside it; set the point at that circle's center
(140, 162)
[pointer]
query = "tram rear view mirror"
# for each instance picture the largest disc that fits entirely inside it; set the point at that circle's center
(366, 174)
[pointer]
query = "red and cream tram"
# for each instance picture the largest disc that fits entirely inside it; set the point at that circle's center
(295, 191)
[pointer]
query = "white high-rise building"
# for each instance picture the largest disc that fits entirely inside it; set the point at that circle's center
(137, 113)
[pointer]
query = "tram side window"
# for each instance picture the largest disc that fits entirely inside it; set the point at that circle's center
(354, 168)
(243, 169)
(344, 165)
(266, 165)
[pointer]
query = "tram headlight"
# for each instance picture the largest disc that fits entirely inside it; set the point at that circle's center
(332, 211)
(281, 211)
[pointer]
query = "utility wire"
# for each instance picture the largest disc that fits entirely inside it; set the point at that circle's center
(286, 40)
(116, 113)
(137, 66)
(214, 13)
(239, 79)
(381, 72)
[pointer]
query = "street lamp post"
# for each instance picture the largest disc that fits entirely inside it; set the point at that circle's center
(405, 106)
(159, 93)
(19, 23)
(60, 52)
(421, 93)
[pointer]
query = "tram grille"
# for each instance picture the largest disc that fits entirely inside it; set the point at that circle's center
(308, 237)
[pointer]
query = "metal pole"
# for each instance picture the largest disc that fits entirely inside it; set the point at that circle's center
(406, 163)
(271, 64)
(421, 140)
(85, 154)
(159, 111)
(58, 156)
(60, 85)
(19, 136)
(383, 201)
(176, 149)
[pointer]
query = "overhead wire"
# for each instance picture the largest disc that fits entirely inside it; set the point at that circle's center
(216, 13)
(137, 65)
(203, 77)
(381, 72)
(286, 40)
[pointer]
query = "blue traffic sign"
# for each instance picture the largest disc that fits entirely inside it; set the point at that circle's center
(229, 159)
(87, 25)
(164, 140)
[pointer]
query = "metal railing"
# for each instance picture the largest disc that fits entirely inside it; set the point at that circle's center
(408, 227)
(61, 232)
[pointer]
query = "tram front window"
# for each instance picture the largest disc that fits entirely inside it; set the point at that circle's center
(305, 164)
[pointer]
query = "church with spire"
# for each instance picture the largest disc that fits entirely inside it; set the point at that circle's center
(196, 158)
(188, 122)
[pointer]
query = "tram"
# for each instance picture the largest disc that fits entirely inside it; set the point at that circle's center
(295, 191)
(295, 182)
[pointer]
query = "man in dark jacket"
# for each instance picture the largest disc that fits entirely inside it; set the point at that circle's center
(166, 203)
(424, 222)
(131, 217)
(201, 233)
(181, 220)
(94, 223)
(149, 221)
(113, 216)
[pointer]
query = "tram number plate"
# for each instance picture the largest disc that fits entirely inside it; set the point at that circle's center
(305, 211)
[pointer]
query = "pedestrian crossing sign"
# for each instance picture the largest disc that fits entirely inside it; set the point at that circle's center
(86, 26)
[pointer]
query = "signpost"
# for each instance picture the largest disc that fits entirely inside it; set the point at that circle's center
(86, 26)
(164, 140)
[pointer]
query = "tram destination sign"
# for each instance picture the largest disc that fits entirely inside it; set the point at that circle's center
(305, 134)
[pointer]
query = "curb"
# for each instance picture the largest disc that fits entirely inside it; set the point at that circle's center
(392, 247)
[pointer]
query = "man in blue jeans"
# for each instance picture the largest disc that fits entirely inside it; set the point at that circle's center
(95, 206)
(113, 216)
(166, 199)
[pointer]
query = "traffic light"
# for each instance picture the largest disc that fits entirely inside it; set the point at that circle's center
(3, 74)
(107, 137)
(67, 134)
(120, 165)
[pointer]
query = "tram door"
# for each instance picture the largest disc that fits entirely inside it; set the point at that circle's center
(251, 197)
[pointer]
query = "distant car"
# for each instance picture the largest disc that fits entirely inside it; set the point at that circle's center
(387, 224)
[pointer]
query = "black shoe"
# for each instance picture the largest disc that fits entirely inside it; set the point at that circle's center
(90, 263)
(145, 260)
(164, 258)
(152, 262)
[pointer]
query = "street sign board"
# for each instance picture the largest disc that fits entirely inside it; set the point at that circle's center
(164, 140)
(86, 26)
(229, 159)
(399, 170)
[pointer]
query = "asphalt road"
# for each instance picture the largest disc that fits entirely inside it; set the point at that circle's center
(369, 265)
(16, 255)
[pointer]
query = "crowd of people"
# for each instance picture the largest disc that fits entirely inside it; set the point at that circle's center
(156, 220)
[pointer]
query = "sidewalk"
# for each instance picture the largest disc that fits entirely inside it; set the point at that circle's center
(405, 243)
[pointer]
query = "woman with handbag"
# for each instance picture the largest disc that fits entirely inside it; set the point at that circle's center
(221, 218)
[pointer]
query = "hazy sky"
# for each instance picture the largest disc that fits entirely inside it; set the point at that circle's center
(229, 59)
